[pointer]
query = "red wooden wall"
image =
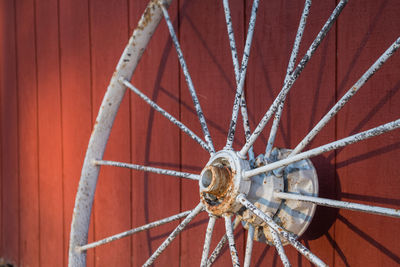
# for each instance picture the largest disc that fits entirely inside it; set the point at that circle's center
(57, 57)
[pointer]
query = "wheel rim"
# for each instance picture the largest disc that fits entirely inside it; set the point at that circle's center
(104, 123)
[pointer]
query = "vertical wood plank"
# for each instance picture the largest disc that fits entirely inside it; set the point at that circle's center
(367, 171)
(9, 120)
(307, 102)
(28, 134)
(50, 142)
(109, 35)
(45, 128)
(2, 67)
(76, 104)
(205, 45)
(155, 142)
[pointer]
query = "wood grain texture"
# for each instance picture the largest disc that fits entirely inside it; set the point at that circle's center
(76, 102)
(204, 41)
(57, 57)
(49, 135)
(109, 34)
(306, 103)
(9, 122)
(28, 134)
(367, 171)
(155, 142)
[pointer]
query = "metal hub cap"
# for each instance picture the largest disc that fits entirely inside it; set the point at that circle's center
(222, 180)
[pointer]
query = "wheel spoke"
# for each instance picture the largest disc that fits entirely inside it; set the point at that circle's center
(291, 238)
(243, 69)
(236, 67)
(188, 79)
(174, 234)
(279, 248)
(147, 169)
(249, 246)
(133, 231)
(289, 70)
(232, 42)
(246, 126)
(340, 204)
(214, 255)
(231, 241)
(352, 91)
(175, 121)
(295, 74)
(325, 148)
(207, 241)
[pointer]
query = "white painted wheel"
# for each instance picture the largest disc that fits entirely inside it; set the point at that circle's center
(273, 195)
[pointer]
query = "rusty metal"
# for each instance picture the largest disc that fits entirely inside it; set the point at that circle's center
(221, 181)
(291, 238)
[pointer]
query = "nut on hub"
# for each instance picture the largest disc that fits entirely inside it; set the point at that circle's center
(221, 182)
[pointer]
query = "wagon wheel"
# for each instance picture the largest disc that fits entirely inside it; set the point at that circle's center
(266, 193)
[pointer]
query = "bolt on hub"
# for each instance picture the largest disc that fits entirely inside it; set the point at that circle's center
(222, 180)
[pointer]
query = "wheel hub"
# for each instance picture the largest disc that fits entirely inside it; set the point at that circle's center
(222, 180)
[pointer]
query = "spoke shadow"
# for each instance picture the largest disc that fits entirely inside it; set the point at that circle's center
(324, 55)
(369, 155)
(262, 256)
(210, 123)
(191, 225)
(337, 249)
(384, 100)
(370, 240)
(258, 50)
(358, 53)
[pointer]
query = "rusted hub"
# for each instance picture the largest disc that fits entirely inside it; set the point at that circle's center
(216, 179)
(221, 182)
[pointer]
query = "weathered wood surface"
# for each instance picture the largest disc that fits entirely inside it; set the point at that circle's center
(57, 57)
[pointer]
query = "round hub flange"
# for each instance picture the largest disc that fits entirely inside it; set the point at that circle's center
(221, 182)
(295, 216)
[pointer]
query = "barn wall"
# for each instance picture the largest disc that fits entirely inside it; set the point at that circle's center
(57, 57)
